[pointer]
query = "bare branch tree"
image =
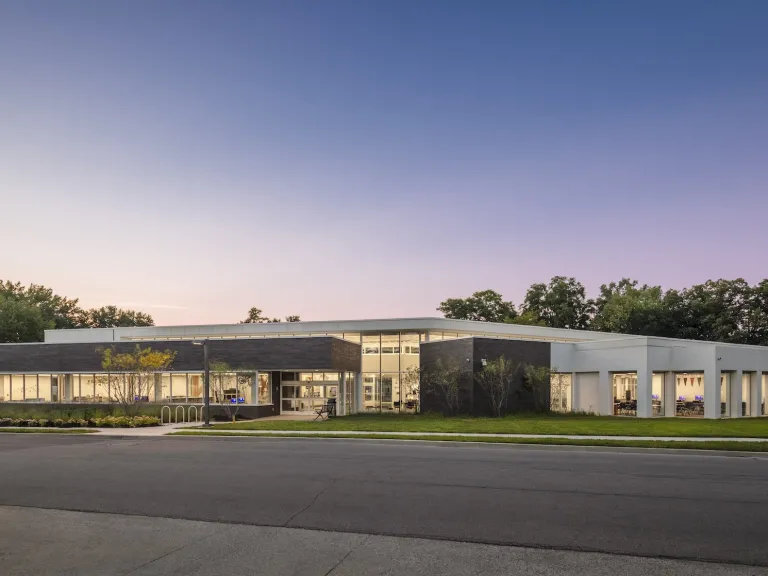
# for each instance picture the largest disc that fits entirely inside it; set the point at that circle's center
(495, 380)
(228, 388)
(131, 375)
(410, 381)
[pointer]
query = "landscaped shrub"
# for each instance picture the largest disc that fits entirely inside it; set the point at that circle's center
(105, 422)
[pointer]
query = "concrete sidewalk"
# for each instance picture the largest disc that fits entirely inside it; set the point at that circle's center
(165, 429)
(474, 435)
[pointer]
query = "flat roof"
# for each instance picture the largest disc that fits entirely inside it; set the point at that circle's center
(393, 325)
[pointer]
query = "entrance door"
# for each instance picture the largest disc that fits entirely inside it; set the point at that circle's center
(306, 397)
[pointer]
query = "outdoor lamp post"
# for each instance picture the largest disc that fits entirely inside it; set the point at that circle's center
(206, 382)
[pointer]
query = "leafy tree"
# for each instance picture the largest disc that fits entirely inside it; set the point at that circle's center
(536, 381)
(114, 317)
(528, 319)
(256, 316)
(443, 381)
(495, 380)
(131, 375)
(560, 304)
(21, 321)
(60, 312)
(625, 308)
(484, 306)
(720, 310)
(757, 321)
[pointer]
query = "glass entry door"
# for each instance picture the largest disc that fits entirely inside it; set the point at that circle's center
(306, 397)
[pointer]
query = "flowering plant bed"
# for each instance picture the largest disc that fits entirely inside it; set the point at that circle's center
(104, 422)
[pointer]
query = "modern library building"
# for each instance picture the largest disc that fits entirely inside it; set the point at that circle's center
(367, 365)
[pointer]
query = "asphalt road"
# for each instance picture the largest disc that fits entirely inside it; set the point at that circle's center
(677, 506)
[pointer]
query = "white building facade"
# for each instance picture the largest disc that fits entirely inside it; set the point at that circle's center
(595, 372)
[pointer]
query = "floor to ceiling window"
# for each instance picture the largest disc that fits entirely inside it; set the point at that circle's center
(689, 394)
(725, 394)
(625, 394)
(560, 387)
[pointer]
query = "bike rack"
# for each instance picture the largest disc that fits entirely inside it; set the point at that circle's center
(189, 414)
(162, 414)
(176, 414)
(202, 409)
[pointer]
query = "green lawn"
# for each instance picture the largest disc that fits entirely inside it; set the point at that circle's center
(730, 446)
(524, 424)
(45, 431)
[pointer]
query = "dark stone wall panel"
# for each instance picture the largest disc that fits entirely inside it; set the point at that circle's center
(456, 352)
(472, 397)
(315, 353)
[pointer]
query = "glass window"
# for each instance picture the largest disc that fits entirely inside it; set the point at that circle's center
(17, 388)
(265, 388)
(196, 388)
(560, 392)
(55, 388)
(102, 388)
(625, 394)
(371, 353)
(165, 387)
(657, 394)
(370, 391)
(390, 391)
(689, 394)
(745, 394)
(87, 388)
(5, 388)
(178, 387)
(725, 394)
(116, 386)
(30, 388)
(43, 387)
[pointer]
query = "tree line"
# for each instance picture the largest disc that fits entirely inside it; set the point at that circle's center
(718, 310)
(27, 311)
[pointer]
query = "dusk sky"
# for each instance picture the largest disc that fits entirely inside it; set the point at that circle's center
(364, 159)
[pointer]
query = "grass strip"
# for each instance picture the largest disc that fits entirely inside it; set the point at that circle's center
(46, 431)
(730, 446)
(555, 424)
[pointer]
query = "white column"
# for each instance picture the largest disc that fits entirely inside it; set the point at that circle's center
(255, 388)
(158, 387)
(756, 393)
(67, 392)
(574, 393)
(711, 389)
(605, 394)
(735, 399)
(644, 392)
(359, 392)
(670, 394)
(341, 399)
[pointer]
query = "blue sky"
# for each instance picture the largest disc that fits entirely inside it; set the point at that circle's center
(352, 159)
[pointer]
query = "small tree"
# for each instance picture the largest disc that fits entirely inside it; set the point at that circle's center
(228, 387)
(495, 380)
(131, 375)
(537, 381)
(410, 381)
(443, 380)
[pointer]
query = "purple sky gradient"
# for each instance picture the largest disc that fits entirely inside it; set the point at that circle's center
(348, 159)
